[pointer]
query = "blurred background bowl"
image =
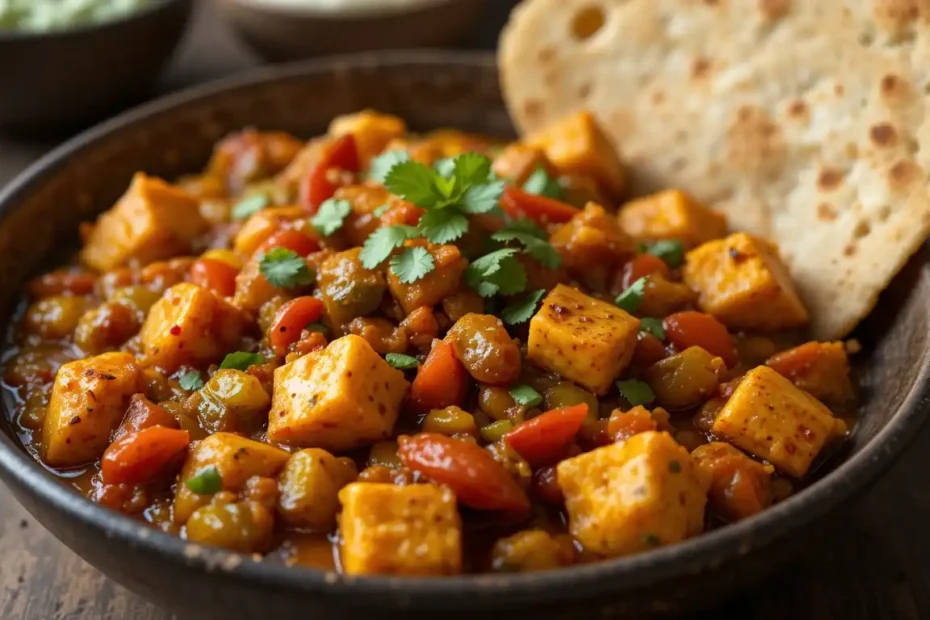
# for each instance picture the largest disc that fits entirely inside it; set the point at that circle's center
(280, 32)
(56, 79)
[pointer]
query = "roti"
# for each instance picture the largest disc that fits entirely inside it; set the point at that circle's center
(806, 122)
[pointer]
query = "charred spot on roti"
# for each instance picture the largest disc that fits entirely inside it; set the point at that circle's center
(884, 212)
(658, 97)
(774, 9)
(862, 229)
(754, 142)
(700, 67)
(587, 21)
(584, 91)
(546, 54)
(829, 179)
(533, 108)
(838, 89)
(825, 212)
(902, 174)
(896, 15)
(893, 88)
(798, 110)
(849, 249)
(883, 135)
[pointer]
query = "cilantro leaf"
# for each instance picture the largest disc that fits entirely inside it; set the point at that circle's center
(471, 169)
(482, 198)
(525, 395)
(414, 182)
(240, 360)
(247, 206)
(538, 248)
(382, 164)
(379, 244)
(401, 361)
(652, 326)
(443, 226)
(527, 226)
(670, 250)
(497, 272)
(412, 264)
(630, 299)
(523, 308)
(331, 216)
(636, 392)
(285, 269)
(191, 381)
(381, 210)
(445, 166)
(206, 482)
(542, 184)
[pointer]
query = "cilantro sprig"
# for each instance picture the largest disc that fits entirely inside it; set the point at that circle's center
(449, 193)
(401, 361)
(331, 216)
(497, 272)
(522, 308)
(533, 240)
(285, 268)
(241, 360)
(669, 250)
(191, 381)
(248, 206)
(542, 184)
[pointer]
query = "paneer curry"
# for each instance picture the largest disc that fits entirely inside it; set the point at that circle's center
(383, 352)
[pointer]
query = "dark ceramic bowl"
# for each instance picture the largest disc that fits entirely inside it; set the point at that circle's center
(61, 78)
(40, 212)
(285, 33)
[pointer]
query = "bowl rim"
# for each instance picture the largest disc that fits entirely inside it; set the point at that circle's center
(365, 13)
(688, 557)
(90, 28)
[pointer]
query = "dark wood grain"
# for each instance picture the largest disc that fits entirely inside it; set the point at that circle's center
(871, 565)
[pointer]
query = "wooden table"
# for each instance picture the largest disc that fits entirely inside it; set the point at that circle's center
(873, 565)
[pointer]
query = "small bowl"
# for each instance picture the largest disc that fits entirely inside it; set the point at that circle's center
(284, 33)
(55, 79)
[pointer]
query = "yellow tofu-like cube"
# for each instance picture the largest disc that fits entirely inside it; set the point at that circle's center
(309, 488)
(634, 495)
(262, 224)
(89, 398)
(394, 530)
(152, 220)
(339, 398)
(518, 161)
(672, 214)
(771, 418)
(190, 325)
(741, 281)
(235, 458)
(372, 131)
(585, 340)
(576, 145)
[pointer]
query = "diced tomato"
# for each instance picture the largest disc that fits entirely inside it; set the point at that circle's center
(316, 187)
(139, 457)
(290, 239)
(519, 204)
(542, 439)
(290, 319)
(696, 329)
(215, 275)
(142, 413)
(477, 480)
(640, 267)
(649, 349)
(441, 380)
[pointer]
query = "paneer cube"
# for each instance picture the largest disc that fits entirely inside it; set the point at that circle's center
(634, 495)
(89, 398)
(518, 161)
(309, 488)
(190, 325)
(429, 290)
(577, 145)
(262, 225)
(592, 245)
(394, 530)
(153, 220)
(235, 458)
(821, 368)
(339, 398)
(672, 214)
(583, 339)
(771, 418)
(742, 281)
(372, 131)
